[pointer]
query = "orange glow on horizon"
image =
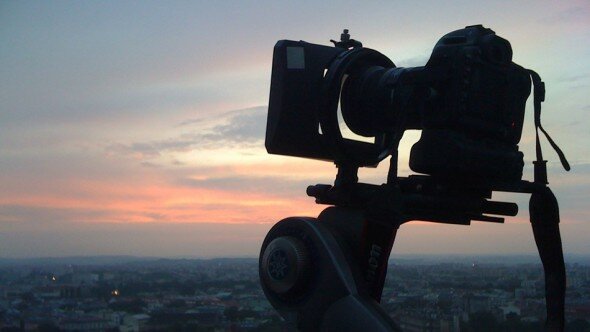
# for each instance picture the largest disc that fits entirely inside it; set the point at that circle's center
(100, 201)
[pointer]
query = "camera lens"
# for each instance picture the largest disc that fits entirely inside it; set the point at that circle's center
(364, 100)
(373, 99)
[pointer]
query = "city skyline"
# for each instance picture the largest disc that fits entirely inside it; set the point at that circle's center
(132, 129)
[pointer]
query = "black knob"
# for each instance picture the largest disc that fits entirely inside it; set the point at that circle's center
(285, 264)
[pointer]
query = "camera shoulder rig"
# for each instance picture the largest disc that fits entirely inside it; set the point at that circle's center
(328, 273)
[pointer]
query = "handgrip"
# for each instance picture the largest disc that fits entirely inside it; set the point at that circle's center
(544, 213)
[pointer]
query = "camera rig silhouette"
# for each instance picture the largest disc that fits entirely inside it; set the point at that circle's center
(327, 273)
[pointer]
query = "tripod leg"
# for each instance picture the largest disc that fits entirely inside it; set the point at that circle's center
(544, 213)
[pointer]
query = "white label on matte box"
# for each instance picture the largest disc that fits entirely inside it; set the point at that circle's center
(295, 58)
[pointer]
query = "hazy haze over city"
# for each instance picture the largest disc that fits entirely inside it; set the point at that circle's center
(137, 128)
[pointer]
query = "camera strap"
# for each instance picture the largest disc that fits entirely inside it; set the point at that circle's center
(540, 164)
(544, 214)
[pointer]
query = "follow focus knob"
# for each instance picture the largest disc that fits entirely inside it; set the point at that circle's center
(285, 264)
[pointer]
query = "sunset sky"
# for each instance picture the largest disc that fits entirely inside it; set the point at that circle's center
(137, 128)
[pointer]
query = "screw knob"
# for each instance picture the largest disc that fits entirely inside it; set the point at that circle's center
(285, 264)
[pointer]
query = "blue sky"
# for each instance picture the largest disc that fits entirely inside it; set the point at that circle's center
(124, 123)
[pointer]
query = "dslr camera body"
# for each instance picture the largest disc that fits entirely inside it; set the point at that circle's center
(328, 272)
(469, 100)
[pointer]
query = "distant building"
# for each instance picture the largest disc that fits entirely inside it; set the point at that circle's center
(475, 303)
(70, 291)
(85, 323)
(134, 323)
(47, 292)
(208, 315)
(420, 322)
(85, 278)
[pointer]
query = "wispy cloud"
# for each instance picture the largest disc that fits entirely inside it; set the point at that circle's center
(278, 186)
(235, 129)
(244, 126)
